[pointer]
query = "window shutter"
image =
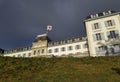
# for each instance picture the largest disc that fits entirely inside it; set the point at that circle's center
(113, 22)
(106, 25)
(99, 24)
(108, 33)
(103, 37)
(96, 49)
(93, 27)
(117, 33)
(94, 37)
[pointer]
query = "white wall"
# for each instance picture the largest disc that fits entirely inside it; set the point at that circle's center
(19, 54)
(90, 32)
(67, 52)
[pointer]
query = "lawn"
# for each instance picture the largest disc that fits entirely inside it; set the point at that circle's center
(87, 69)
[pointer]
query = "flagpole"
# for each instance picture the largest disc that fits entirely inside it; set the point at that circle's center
(47, 32)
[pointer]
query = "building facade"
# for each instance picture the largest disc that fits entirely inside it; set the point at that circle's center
(103, 39)
(43, 46)
(103, 33)
(72, 46)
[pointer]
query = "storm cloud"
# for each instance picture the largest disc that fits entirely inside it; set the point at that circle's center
(22, 20)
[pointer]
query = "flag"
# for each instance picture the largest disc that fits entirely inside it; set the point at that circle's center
(42, 35)
(49, 27)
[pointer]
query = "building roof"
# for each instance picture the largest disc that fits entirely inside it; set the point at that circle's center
(101, 15)
(67, 41)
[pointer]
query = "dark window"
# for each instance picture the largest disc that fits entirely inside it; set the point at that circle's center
(77, 47)
(113, 34)
(34, 52)
(70, 48)
(24, 55)
(43, 51)
(96, 25)
(63, 49)
(56, 50)
(19, 55)
(50, 50)
(109, 23)
(85, 45)
(98, 36)
(38, 52)
(100, 48)
(29, 54)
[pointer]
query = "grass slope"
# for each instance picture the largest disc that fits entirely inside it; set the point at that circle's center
(100, 69)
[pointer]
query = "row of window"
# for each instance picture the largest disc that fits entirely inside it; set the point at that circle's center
(110, 34)
(114, 48)
(17, 50)
(37, 52)
(69, 48)
(22, 55)
(107, 24)
(67, 41)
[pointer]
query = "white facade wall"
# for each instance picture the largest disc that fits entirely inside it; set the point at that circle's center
(103, 29)
(20, 54)
(67, 52)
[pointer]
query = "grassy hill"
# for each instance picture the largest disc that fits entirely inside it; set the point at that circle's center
(88, 69)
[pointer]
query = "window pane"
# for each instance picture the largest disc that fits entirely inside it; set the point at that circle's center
(77, 47)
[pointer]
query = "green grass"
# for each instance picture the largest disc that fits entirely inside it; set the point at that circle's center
(88, 69)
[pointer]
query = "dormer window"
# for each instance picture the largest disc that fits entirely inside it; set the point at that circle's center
(106, 13)
(109, 12)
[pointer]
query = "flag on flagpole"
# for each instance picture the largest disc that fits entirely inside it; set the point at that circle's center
(49, 27)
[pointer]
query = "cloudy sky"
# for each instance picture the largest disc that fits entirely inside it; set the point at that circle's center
(22, 20)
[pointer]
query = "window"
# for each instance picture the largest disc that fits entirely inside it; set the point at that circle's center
(113, 34)
(29, 54)
(24, 55)
(56, 50)
(96, 25)
(63, 49)
(76, 39)
(19, 55)
(34, 52)
(70, 48)
(85, 45)
(69, 41)
(77, 46)
(100, 48)
(50, 50)
(98, 36)
(38, 52)
(43, 51)
(109, 23)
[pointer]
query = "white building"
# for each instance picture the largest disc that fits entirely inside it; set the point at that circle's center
(103, 39)
(103, 33)
(72, 46)
(19, 52)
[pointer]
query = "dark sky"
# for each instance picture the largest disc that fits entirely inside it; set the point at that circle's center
(22, 20)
